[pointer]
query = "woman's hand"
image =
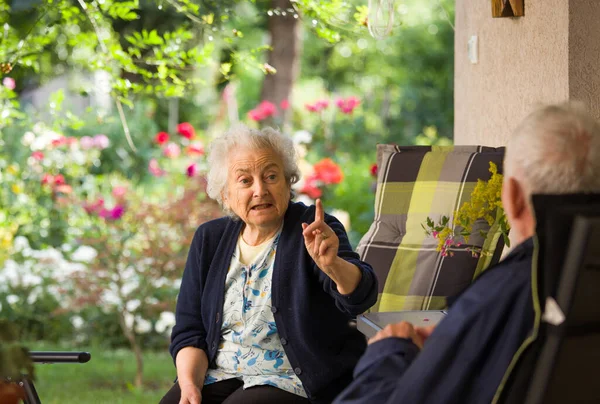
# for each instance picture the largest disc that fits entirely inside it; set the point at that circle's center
(190, 394)
(320, 240)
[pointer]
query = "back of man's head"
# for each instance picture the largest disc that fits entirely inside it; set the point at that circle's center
(556, 150)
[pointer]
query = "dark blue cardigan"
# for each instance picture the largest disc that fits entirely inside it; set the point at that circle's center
(310, 314)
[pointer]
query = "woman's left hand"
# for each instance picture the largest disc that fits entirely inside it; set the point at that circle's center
(321, 241)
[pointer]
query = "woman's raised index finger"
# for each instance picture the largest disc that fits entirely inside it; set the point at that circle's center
(319, 213)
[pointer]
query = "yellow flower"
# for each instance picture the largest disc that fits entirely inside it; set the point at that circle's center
(13, 169)
(16, 188)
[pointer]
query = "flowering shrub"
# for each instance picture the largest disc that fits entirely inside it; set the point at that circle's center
(136, 234)
(485, 204)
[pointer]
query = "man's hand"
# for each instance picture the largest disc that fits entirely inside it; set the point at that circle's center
(190, 394)
(320, 240)
(403, 329)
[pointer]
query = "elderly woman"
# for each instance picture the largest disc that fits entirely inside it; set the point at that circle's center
(267, 292)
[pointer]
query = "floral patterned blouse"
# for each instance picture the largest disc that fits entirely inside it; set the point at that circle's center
(250, 349)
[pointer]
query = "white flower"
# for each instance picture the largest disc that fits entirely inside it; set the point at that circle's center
(302, 136)
(84, 253)
(77, 322)
(33, 296)
(20, 243)
(129, 320)
(142, 326)
(28, 138)
(132, 305)
(165, 322)
(12, 299)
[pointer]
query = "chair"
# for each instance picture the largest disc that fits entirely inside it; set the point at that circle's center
(416, 182)
(31, 396)
(559, 364)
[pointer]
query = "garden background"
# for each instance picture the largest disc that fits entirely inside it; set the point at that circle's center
(106, 110)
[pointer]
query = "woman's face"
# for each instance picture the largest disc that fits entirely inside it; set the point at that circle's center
(256, 187)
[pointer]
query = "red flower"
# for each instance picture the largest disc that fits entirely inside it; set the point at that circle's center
(328, 172)
(374, 170)
(285, 104)
(310, 187)
(186, 130)
(191, 170)
(59, 180)
(37, 155)
(161, 137)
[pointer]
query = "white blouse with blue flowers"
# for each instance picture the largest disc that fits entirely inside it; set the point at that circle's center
(250, 349)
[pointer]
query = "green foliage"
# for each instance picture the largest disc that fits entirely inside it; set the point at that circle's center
(405, 80)
(355, 195)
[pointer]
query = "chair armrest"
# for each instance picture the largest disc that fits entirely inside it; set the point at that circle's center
(59, 357)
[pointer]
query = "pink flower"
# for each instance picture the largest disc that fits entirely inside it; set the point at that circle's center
(47, 179)
(37, 155)
(94, 206)
(63, 189)
(161, 137)
(347, 105)
(285, 104)
(171, 150)
(311, 107)
(434, 234)
(119, 191)
(318, 106)
(191, 170)
(255, 115)
(9, 83)
(328, 172)
(101, 141)
(186, 130)
(86, 142)
(264, 110)
(195, 148)
(112, 214)
(155, 169)
(59, 141)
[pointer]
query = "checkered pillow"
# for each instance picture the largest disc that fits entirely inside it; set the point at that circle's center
(413, 183)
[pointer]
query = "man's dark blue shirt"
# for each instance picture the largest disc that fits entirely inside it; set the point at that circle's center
(466, 357)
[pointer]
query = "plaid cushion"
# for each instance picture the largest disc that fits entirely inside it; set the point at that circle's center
(413, 183)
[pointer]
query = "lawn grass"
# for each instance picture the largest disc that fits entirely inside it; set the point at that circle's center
(106, 378)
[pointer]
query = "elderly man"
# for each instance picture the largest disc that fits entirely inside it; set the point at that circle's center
(556, 149)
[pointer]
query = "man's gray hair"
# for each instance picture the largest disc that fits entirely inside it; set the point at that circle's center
(556, 150)
(254, 139)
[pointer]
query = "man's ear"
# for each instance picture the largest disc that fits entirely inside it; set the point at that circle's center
(514, 200)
